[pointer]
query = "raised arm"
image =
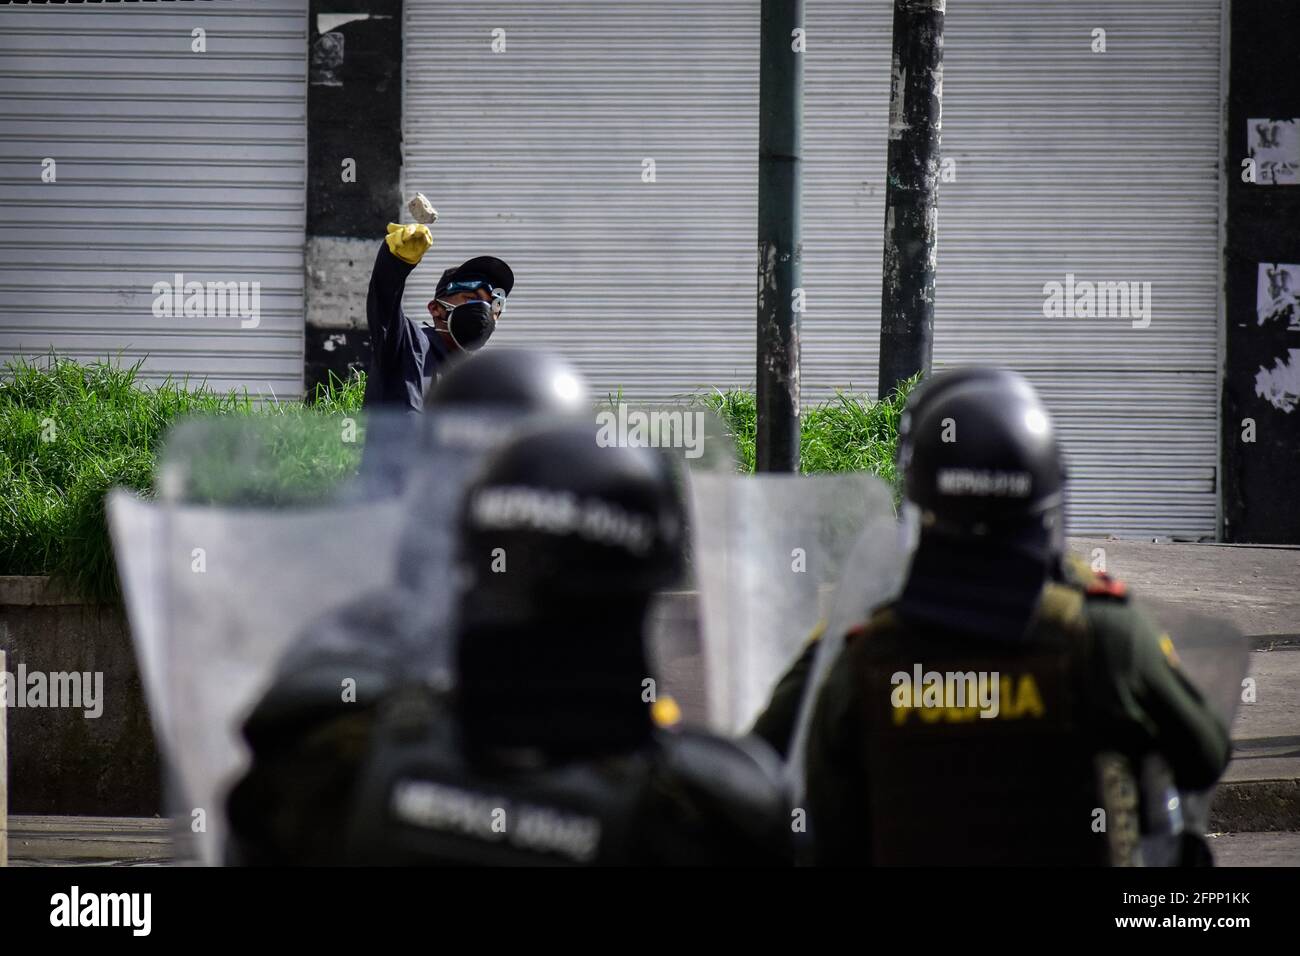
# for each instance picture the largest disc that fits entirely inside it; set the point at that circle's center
(393, 336)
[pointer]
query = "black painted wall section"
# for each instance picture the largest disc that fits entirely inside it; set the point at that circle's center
(1262, 359)
(354, 111)
(333, 355)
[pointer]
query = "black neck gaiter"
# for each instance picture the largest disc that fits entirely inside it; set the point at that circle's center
(982, 588)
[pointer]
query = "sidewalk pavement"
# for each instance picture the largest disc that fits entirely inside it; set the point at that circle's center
(1255, 587)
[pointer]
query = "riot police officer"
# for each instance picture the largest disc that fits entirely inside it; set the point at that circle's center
(306, 737)
(1000, 708)
(551, 749)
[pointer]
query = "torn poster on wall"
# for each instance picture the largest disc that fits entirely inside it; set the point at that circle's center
(1275, 147)
(327, 60)
(1280, 385)
(1275, 295)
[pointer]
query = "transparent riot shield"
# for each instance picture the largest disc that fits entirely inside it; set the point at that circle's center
(136, 527)
(700, 445)
(769, 552)
(874, 572)
(272, 540)
(1214, 656)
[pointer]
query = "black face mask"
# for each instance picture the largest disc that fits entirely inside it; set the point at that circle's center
(982, 589)
(471, 324)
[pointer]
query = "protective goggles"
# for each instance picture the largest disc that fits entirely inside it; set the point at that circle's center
(473, 285)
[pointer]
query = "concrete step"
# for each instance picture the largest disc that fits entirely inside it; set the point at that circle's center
(134, 841)
(88, 841)
(1256, 849)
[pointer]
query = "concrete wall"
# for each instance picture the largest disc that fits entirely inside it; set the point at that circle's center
(60, 760)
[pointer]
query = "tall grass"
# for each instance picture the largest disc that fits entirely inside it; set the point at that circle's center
(846, 433)
(339, 396)
(69, 433)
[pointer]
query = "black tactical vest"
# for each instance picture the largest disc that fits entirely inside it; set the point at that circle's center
(977, 751)
(683, 799)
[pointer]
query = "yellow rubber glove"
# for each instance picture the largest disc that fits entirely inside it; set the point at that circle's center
(409, 242)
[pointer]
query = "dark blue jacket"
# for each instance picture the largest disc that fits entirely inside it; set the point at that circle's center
(404, 354)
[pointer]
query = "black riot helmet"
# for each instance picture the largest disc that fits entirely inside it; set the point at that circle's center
(562, 544)
(980, 461)
(574, 520)
(512, 380)
(480, 400)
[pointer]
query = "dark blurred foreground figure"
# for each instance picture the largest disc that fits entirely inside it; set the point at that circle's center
(1004, 708)
(550, 749)
(476, 403)
(306, 739)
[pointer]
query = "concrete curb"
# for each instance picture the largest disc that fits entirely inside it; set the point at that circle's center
(60, 760)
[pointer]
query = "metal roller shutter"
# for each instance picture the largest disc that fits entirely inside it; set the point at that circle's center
(1104, 166)
(168, 161)
(536, 155)
(1100, 165)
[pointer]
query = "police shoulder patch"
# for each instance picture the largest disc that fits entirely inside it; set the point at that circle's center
(1102, 584)
(857, 631)
(1060, 605)
(881, 618)
(1167, 648)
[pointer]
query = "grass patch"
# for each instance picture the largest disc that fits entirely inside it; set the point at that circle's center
(846, 433)
(294, 457)
(69, 433)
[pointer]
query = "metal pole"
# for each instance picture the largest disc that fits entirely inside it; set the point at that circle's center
(780, 137)
(911, 192)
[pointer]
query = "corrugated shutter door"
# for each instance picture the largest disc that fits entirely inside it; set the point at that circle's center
(168, 161)
(536, 155)
(1103, 165)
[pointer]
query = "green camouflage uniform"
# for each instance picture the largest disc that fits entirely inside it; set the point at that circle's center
(1139, 701)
